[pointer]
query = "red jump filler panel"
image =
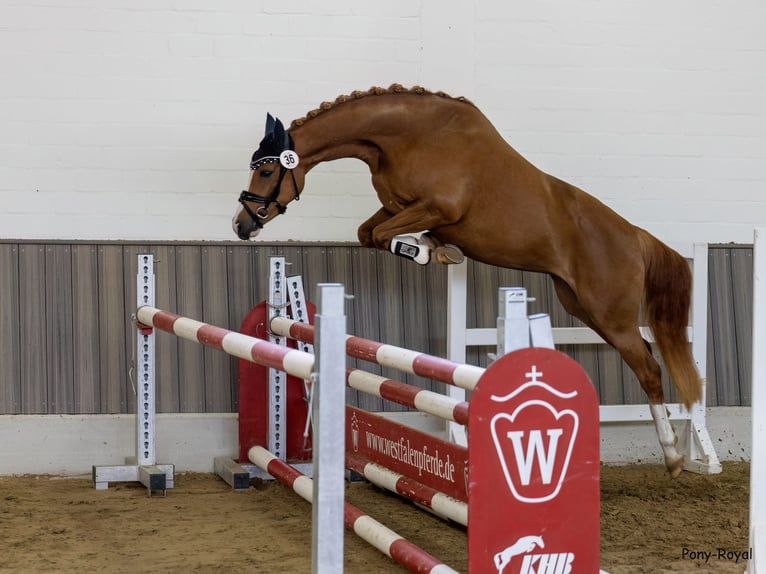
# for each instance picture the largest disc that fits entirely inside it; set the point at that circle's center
(534, 467)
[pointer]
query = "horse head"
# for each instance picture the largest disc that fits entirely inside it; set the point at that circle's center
(269, 191)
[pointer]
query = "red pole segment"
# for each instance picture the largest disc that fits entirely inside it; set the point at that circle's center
(435, 368)
(423, 400)
(441, 504)
(291, 361)
(370, 530)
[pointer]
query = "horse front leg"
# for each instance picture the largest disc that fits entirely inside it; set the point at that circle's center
(364, 233)
(415, 218)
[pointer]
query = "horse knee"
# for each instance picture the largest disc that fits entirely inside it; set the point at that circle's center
(364, 235)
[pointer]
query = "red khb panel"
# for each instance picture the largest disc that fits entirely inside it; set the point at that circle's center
(534, 467)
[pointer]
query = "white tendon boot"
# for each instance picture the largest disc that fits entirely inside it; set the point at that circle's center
(410, 247)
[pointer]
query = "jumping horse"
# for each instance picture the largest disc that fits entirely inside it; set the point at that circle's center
(438, 165)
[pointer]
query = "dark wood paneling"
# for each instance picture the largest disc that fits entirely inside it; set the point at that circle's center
(191, 366)
(10, 352)
(364, 273)
(742, 301)
(166, 346)
(416, 334)
(59, 343)
(86, 340)
(215, 310)
(339, 270)
(724, 336)
(32, 330)
(67, 342)
(390, 308)
(436, 307)
(711, 385)
(113, 314)
(315, 263)
(239, 272)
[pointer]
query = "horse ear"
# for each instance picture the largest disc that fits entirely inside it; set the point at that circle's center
(279, 133)
(270, 124)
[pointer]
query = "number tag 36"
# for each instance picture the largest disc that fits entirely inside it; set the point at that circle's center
(289, 159)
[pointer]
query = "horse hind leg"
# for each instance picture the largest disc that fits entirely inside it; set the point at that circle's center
(637, 354)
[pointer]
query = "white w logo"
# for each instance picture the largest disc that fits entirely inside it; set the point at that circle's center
(535, 452)
(521, 451)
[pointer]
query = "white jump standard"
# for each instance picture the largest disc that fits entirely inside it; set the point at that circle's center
(327, 374)
(142, 467)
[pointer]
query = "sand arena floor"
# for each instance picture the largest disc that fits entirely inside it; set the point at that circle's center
(49, 524)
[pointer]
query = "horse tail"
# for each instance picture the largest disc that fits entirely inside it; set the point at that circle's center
(667, 299)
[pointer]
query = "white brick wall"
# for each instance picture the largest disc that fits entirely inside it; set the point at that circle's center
(136, 119)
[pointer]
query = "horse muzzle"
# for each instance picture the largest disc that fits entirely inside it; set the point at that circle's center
(244, 226)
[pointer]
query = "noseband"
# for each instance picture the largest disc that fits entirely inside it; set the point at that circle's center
(262, 212)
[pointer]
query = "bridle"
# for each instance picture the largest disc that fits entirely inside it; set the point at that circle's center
(262, 212)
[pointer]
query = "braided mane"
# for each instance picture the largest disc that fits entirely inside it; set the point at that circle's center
(374, 91)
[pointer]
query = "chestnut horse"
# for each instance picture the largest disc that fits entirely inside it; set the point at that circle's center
(438, 164)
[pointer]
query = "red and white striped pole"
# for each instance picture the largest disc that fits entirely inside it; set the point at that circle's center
(390, 543)
(295, 362)
(411, 396)
(435, 368)
(441, 504)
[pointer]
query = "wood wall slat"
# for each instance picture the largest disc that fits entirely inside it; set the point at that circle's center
(416, 334)
(59, 344)
(482, 280)
(191, 365)
(436, 310)
(215, 310)
(339, 270)
(112, 317)
(239, 271)
(742, 266)
(166, 346)
(711, 384)
(294, 261)
(32, 330)
(471, 353)
(85, 326)
(724, 337)
(367, 316)
(239, 284)
(260, 256)
(315, 266)
(610, 384)
(391, 312)
(10, 349)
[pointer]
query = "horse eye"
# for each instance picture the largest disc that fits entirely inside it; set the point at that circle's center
(266, 173)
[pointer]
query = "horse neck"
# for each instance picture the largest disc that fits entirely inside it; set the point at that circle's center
(362, 129)
(333, 135)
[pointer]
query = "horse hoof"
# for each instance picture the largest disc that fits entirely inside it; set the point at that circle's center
(675, 465)
(449, 254)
